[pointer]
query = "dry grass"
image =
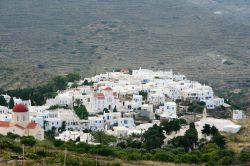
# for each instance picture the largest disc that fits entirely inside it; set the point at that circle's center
(242, 139)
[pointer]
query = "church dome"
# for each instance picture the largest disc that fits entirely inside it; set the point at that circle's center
(20, 108)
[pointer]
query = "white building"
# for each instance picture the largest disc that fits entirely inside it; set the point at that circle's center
(21, 125)
(238, 115)
(169, 110)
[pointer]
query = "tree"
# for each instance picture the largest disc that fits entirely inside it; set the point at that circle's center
(206, 129)
(101, 137)
(59, 83)
(28, 140)
(169, 126)
(219, 140)
(3, 102)
(74, 85)
(115, 109)
(11, 103)
(12, 136)
(81, 112)
(153, 137)
(105, 110)
(86, 83)
(63, 127)
(78, 102)
(51, 133)
(72, 77)
(144, 94)
(214, 130)
(191, 136)
(210, 147)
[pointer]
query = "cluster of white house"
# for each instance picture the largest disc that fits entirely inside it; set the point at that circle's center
(125, 96)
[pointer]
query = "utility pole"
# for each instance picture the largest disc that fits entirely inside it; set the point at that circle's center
(23, 151)
(141, 145)
(65, 155)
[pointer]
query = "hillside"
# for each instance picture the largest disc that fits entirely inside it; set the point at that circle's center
(39, 39)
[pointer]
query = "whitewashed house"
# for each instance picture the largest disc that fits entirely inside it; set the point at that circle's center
(238, 115)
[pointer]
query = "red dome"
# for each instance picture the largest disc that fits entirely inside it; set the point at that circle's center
(108, 88)
(20, 108)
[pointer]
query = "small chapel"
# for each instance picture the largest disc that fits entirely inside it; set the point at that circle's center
(21, 125)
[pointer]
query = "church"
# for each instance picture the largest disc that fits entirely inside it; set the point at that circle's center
(21, 125)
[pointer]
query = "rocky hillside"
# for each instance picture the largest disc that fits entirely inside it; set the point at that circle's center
(206, 40)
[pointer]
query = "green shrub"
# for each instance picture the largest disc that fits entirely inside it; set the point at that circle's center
(244, 156)
(189, 158)
(32, 156)
(43, 153)
(15, 148)
(226, 161)
(28, 140)
(163, 156)
(57, 143)
(133, 156)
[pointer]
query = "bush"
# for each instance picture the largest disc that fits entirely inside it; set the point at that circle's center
(244, 156)
(210, 147)
(28, 140)
(190, 158)
(58, 143)
(43, 153)
(82, 147)
(102, 150)
(15, 148)
(226, 161)
(32, 156)
(133, 156)
(163, 156)
(12, 136)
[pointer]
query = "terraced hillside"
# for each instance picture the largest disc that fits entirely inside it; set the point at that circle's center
(206, 40)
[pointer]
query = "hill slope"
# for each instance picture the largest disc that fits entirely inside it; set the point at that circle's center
(42, 38)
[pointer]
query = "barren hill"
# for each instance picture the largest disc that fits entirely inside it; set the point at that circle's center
(206, 40)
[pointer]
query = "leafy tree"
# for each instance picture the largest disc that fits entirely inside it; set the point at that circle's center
(115, 109)
(219, 140)
(105, 110)
(122, 144)
(74, 85)
(87, 83)
(63, 127)
(72, 77)
(144, 94)
(101, 137)
(214, 130)
(59, 83)
(12, 136)
(3, 102)
(192, 125)
(196, 107)
(11, 103)
(210, 147)
(78, 102)
(28, 140)
(169, 126)
(244, 155)
(178, 101)
(206, 129)
(134, 143)
(51, 133)
(81, 112)
(182, 121)
(191, 136)
(153, 137)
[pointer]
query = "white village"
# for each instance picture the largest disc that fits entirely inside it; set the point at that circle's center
(120, 104)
